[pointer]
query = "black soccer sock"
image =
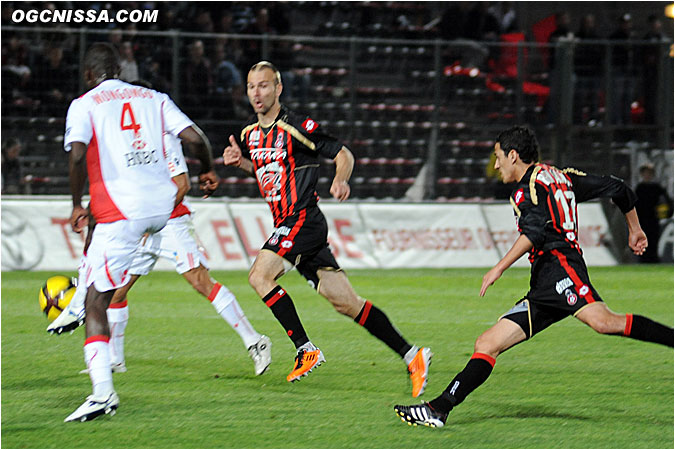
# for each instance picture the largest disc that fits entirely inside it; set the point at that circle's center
(377, 323)
(283, 309)
(644, 329)
(475, 373)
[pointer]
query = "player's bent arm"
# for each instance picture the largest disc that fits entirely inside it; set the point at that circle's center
(183, 183)
(344, 164)
(637, 239)
(77, 169)
(522, 245)
(199, 146)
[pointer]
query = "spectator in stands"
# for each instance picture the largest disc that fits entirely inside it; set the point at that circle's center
(296, 79)
(155, 74)
(653, 201)
(54, 82)
(650, 66)
(622, 71)
(129, 68)
(505, 15)
(228, 85)
(253, 49)
(588, 68)
(196, 89)
(115, 38)
(12, 176)
(16, 73)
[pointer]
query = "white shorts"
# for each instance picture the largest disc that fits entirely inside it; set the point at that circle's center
(112, 250)
(176, 242)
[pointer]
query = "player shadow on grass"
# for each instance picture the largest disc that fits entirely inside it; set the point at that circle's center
(520, 411)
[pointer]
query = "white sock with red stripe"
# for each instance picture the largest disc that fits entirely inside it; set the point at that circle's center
(118, 317)
(97, 358)
(227, 306)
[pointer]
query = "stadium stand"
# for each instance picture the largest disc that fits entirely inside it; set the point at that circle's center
(378, 77)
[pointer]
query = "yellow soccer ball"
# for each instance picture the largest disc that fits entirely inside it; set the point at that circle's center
(55, 296)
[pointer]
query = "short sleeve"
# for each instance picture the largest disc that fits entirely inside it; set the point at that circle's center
(175, 157)
(175, 120)
(325, 144)
(78, 125)
(531, 218)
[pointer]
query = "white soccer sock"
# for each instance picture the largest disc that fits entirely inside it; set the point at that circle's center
(118, 317)
(227, 306)
(97, 358)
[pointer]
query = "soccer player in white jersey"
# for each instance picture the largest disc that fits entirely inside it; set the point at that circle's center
(114, 134)
(176, 243)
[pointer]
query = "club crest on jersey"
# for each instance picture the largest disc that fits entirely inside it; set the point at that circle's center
(309, 125)
(254, 138)
(281, 231)
(571, 297)
(279, 143)
(519, 196)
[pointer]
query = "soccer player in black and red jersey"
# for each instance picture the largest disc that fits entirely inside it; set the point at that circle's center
(283, 154)
(544, 202)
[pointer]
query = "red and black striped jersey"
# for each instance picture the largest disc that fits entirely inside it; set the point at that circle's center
(545, 204)
(285, 160)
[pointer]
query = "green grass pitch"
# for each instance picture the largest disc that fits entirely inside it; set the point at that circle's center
(190, 382)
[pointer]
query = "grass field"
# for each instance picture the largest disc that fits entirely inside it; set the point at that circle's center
(190, 382)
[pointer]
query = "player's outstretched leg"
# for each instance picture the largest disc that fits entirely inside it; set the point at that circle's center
(336, 288)
(500, 337)
(599, 317)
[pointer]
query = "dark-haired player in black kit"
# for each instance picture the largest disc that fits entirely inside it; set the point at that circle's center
(284, 149)
(544, 202)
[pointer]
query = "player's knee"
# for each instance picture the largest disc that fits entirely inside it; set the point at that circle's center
(255, 278)
(486, 346)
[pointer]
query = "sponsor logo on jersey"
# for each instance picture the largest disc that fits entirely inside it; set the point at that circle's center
(571, 297)
(519, 196)
(309, 125)
(261, 154)
(584, 290)
(287, 244)
(563, 284)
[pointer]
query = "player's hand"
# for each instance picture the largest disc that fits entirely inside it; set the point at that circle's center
(208, 183)
(637, 241)
(489, 279)
(79, 219)
(340, 190)
(232, 154)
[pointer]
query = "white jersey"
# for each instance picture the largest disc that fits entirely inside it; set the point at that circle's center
(177, 166)
(123, 127)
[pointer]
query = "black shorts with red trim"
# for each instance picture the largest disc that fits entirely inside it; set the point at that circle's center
(302, 239)
(559, 287)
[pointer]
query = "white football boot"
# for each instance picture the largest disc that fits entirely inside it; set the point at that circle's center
(94, 407)
(261, 354)
(72, 316)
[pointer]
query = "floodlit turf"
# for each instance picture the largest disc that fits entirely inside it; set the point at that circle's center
(190, 382)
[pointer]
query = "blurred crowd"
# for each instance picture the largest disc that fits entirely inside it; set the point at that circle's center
(41, 75)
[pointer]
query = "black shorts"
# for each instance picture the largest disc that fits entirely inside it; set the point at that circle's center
(302, 239)
(559, 287)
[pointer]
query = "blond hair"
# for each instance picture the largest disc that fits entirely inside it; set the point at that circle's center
(267, 65)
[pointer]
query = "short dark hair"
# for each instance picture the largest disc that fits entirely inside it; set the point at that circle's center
(522, 140)
(103, 60)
